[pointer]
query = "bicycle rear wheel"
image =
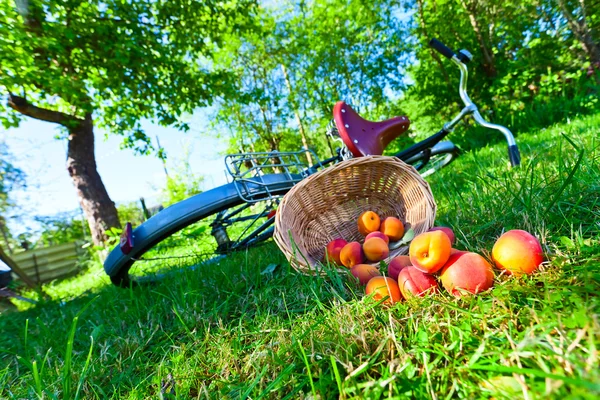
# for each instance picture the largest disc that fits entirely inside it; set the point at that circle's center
(211, 224)
(440, 156)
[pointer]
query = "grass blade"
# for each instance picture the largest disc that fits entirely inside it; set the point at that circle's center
(570, 177)
(37, 380)
(66, 373)
(85, 368)
(539, 374)
(310, 379)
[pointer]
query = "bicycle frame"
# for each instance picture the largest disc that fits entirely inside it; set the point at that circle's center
(424, 146)
(263, 178)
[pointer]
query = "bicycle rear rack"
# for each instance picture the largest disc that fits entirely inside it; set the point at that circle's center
(249, 171)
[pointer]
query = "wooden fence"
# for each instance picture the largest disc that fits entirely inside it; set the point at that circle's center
(49, 263)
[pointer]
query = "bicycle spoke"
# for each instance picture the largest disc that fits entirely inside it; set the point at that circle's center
(246, 224)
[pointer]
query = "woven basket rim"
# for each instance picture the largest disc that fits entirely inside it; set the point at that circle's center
(300, 261)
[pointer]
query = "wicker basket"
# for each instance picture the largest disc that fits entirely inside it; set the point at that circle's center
(326, 206)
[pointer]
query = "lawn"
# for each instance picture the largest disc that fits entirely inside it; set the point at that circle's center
(230, 331)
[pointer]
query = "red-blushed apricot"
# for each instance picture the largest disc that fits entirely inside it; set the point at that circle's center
(379, 235)
(397, 264)
(333, 250)
(382, 287)
(351, 254)
(393, 228)
(429, 251)
(368, 222)
(413, 282)
(518, 252)
(364, 272)
(467, 271)
(376, 249)
(447, 231)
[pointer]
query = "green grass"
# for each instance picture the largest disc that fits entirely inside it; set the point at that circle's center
(230, 332)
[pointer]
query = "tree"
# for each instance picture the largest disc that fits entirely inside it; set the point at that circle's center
(109, 64)
(583, 20)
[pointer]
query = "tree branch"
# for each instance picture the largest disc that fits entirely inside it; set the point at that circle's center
(20, 104)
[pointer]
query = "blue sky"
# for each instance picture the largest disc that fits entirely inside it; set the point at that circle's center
(126, 176)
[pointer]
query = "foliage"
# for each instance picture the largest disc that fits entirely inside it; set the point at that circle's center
(182, 182)
(282, 334)
(69, 227)
(110, 64)
(123, 61)
(304, 57)
(61, 228)
(131, 212)
(526, 56)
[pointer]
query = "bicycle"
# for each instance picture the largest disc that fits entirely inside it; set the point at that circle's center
(245, 208)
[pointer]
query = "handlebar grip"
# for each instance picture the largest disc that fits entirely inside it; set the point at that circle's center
(441, 48)
(514, 155)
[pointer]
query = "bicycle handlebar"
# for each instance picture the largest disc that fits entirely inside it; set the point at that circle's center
(441, 48)
(470, 107)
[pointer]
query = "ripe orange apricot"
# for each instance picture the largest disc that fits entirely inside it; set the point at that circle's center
(382, 287)
(368, 222)
(351, 254)
(429, 251)
(467, 271)
(393, 228)
(379, 235)
(518, 252)
(333, 250)
(397, 265)
(376, 249)
(364, 272)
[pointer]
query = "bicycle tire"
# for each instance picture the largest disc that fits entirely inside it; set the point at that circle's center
(183, 214)
(442, 154)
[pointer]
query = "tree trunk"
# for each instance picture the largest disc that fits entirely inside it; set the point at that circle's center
(489, 63)
(99, 209)
(581, 30)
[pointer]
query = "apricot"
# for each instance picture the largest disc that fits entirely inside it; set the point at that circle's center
(454, 251)
(393, 228)
(368, 222)
(364, 272)
(518, 252)
(413, 282)
(379, 235)
(467, 271)
(376, 249)
(382, 287)
(429, 251)
(447, 231)
(351, 254)
(333, 250)
(397, 265)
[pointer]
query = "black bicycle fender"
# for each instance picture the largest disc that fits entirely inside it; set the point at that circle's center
(184, 213)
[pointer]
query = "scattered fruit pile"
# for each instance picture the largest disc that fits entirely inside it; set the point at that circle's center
(431, 256)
